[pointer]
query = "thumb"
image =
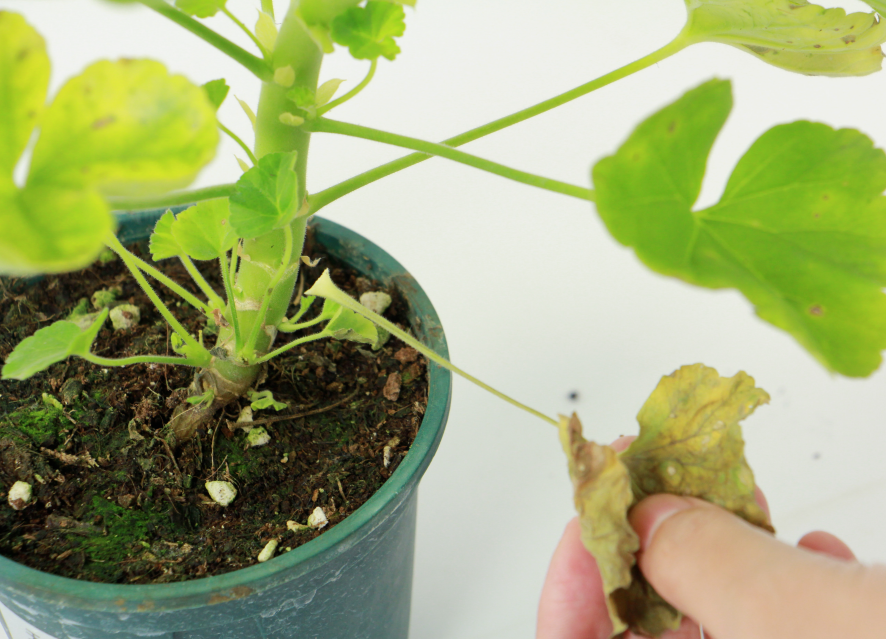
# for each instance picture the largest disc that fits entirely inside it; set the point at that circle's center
(739, 582)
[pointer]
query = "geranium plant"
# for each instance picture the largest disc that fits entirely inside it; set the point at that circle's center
(799, 229)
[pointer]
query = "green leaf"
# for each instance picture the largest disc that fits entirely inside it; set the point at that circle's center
(50, 229)
(345, 324)
(200, 8)
(216, 91)
(369, 31)
(203, 231)
(792, 34)
(878, 5)
(50, 345)
(266, 196)
(126, 128)
(162, 243)
(24, 78)
(264, 399)
(690, 444)
(800, 229)
(303, 97)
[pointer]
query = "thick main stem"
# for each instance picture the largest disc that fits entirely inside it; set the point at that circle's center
(262, 258)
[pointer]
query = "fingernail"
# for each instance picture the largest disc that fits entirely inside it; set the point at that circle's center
(652, 512)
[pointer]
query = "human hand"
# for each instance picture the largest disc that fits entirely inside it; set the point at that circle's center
(737, 580)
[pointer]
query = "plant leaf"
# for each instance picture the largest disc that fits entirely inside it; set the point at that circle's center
(792, 34)
(126, 128)
(216, 91)
(266, 196)
(266, 31)
(24, 78)
(369, 31)
(602, 492)
(204, 231)
(690, 440)
(200, 8)
(261, 400)
(49, 345)
(800, 229)
(50, 229)
(690, 444)
(162, 243)
(877, 5)
(348, 325)
(326, 90)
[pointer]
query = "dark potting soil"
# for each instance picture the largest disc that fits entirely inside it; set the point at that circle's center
(113, 502)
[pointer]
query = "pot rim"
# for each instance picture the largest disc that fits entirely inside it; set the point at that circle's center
(411, 468)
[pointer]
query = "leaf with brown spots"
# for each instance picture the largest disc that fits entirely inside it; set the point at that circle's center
(792, 34)
(690, 444)
(800, 228)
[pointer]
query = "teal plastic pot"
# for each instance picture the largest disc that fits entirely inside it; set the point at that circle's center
(352, 582)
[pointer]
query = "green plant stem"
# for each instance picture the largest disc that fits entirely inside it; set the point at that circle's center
(199, 280)
(322, 198)
(114, 244)
(141, 359)
(236, 138)
(291, 328)
(175, 198)
(325, 125)
(324, 287)
(227, 276)
(268, 7)
(244, 28)
(290, 345)
(166, 281)
(256, 65)
(350, 94)
(249, 347)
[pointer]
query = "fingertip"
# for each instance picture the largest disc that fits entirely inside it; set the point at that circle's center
(572, 603)
(826, 544)
(649, 514)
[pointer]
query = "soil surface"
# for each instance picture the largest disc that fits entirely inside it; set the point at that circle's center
(113, 502)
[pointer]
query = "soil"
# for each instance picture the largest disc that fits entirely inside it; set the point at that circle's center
(113, 502)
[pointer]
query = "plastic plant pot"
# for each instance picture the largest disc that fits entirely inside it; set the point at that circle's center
(352, 582)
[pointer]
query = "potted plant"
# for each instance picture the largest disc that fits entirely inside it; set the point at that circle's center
(300, 100)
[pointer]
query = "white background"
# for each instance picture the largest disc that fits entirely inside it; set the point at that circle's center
(535, 297)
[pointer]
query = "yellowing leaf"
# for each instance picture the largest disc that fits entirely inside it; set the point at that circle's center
(50, 229)
(602, 498)
(326, 90)
(248, 111)
(690, 441)
(125, 128)
(689, 444)
(266, 31)
(792, 34)
(24, 78)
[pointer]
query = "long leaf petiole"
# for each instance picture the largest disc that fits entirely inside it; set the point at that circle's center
(114, 244)
(325, 125)
(142, 359)
(324, 287)
(322, 198)
(261, 69)
(166, 281)
(198, 278)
